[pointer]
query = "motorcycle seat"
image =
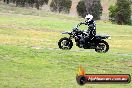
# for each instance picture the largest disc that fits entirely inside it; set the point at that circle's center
(102, 36)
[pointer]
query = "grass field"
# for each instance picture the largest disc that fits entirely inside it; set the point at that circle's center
(30, 57)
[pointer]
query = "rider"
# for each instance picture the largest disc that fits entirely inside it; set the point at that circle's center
(91, 32)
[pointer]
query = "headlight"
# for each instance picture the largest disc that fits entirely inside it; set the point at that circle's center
(109, 37)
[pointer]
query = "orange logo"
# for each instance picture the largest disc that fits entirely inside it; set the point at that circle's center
(83, 78)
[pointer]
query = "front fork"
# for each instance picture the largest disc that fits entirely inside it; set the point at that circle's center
(70, 37)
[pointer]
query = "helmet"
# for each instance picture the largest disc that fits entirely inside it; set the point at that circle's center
(89, 17)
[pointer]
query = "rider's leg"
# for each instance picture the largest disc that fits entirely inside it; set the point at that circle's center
(82, 41)
(92, 34)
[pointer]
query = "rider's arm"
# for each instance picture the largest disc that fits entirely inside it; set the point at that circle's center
(82, 23)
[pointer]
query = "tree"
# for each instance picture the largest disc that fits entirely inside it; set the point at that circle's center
(112, 13)
(61, 5)
(81, 9)
(23, 3)
(92, 7)
(121, 12)
(6, 1)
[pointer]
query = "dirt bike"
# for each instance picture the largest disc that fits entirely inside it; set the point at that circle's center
(96, 43)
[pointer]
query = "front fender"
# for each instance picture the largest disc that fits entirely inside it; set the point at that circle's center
(67, 33)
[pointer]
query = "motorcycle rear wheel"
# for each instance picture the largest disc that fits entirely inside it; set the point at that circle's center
(102, 47)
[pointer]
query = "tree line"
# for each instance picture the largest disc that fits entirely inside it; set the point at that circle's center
(119, 13)
(31, 3)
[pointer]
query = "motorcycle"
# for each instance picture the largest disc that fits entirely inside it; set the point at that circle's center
(96, 43)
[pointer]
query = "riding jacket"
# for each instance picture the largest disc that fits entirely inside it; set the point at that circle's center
(91, 28)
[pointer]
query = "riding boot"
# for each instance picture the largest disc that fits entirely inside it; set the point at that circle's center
(81, 43)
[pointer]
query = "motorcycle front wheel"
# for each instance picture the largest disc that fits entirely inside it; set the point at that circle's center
(102, 47)
(65, 43)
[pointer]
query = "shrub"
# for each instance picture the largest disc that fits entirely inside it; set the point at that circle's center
(121, 12)
(31, 3)
(112, 13)
(61, 5)
(81, 9)
(92, 7)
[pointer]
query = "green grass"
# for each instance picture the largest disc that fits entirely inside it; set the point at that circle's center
(30, 57)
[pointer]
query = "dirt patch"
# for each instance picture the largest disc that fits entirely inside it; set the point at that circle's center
(73, 10)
